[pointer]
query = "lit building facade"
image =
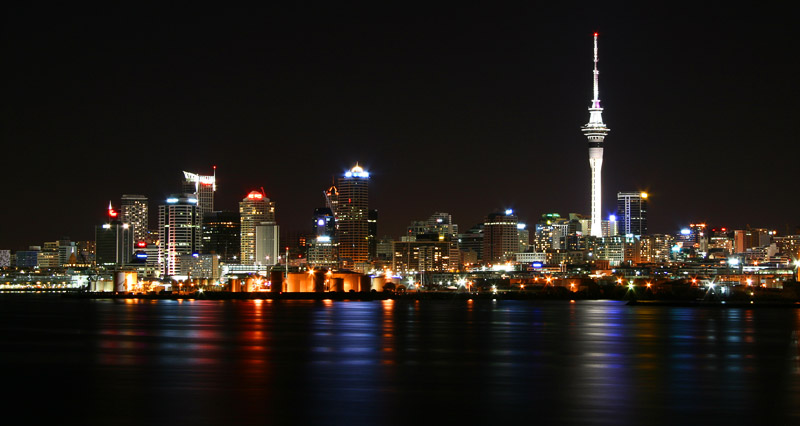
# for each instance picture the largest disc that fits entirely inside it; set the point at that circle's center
(322, 242)
(179, 232)
(423, 256)
(352, 217)
(632, 213)
(254, 209)
(202, 188)
(500, 237)
(134, 211)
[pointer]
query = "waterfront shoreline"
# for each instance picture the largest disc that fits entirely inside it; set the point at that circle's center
(446, 296)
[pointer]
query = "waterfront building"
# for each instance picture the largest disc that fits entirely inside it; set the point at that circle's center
(202, 266)
(632, 213)
(254, 209)
(28, 258)
(222, 235)
(48, 256)
(426, 254)
(113, 244)
(500, 237)
(322, 242)
(596, 131)
(134, 211)
(267, 243)
(179, 231)
(352, 217)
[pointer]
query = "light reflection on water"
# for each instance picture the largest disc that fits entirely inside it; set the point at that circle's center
(401, 362)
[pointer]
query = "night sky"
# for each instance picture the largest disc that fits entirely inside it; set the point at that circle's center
(467, 110)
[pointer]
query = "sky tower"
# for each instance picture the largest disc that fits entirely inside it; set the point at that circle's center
(595, 130)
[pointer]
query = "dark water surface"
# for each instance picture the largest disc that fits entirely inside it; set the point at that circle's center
(390, 362)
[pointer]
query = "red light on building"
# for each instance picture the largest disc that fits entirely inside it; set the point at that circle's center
(255, 195)
(141, 244)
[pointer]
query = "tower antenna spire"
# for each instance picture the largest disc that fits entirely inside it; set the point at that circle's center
(596, 100)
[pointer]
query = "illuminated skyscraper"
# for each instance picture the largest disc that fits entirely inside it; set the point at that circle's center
(178, 231)
(113, 242)
(254, 209)
(596, 131)
(203, 188)
(632, 213)
(352, 217)
(500, 237)
(134, 211)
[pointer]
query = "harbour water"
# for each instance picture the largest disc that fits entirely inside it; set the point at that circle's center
(396, 362)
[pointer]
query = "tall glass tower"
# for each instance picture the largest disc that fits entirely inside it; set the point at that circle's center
(352, 217)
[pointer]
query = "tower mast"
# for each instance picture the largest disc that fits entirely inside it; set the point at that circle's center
(596, 131)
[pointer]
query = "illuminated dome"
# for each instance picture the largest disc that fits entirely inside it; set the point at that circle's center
(357, 171)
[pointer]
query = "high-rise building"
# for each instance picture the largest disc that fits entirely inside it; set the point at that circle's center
(596, 131)
(332, 199)
(632, 213)
(222, 235)
(322, 242)
(500, 237)
(202, 188)
(113, 241)
(267, 243)
(470, 245)
(179, 231)
(133, 211)
(254, 209)
(524, 237)
(352, 217)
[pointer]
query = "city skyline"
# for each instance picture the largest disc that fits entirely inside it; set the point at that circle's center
(468, 116)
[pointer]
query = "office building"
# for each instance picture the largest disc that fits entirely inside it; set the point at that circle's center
(322, 242)
(500, 237)
(632, 213)
(352, 217)
(222, 235)
(179, 232)
(202, 188)
(134, 211)
(254, 209)
(267, 243)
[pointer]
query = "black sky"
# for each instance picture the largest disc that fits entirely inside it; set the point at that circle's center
(465, 110)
